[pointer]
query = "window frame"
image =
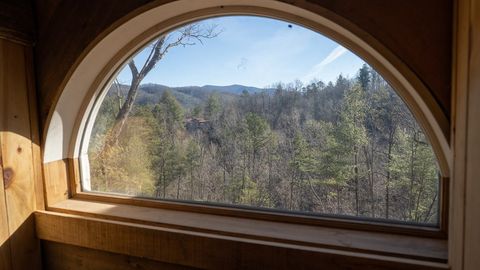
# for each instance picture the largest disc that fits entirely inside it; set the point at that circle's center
(63, 175)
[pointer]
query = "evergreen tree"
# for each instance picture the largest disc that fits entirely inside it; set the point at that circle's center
(212, 107)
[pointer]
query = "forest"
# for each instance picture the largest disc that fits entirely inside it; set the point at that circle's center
(349, 147)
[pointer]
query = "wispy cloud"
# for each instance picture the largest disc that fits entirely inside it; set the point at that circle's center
(331, 57)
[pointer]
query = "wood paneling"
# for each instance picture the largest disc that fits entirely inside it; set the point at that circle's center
(5, 262)
(316, 236)
(78, 258)
(472, 144)
(16, 146)
(464, 237)
(34, 131)
(70, 26)
(255, 214)
(56, 181)
(459, 129)
(204, 250)
(17, 155)
(418, 32)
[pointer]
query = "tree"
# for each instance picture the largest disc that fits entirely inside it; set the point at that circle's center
(168, 161)
(192, 162)
(304, 165)
(196, 111)
(364, 77)
(170, 114)
(352, 131)
(258, 135)
(185, 36)
(388, 113)
(212, 107)
(350, 147)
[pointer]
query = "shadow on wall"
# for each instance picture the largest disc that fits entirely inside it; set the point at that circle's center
(21, 250)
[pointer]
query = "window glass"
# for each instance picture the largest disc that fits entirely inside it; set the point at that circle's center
(256, 112)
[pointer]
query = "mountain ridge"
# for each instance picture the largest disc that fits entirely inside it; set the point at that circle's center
(187, 96)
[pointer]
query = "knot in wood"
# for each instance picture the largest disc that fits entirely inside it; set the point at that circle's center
(8, 174)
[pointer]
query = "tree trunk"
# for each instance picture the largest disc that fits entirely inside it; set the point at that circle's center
(412, 175)
(357, 207)
(389, 160)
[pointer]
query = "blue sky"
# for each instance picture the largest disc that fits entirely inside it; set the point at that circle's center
(252, 51)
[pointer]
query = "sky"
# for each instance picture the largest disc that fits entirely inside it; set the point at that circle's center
(251, 51)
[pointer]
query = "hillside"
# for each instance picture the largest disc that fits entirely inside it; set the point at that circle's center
(188, 96)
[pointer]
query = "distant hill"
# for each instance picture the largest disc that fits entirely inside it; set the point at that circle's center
(234, 89)
(188, 96)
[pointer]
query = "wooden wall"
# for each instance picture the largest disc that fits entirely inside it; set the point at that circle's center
(204, 250)
(464, 250)
(80, 258)
(21, 188)
(20, 177)
(418, 32)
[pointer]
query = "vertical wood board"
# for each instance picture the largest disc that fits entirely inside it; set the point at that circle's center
(5, 262)
(17, 155)
(472, 205)
(16, 146)
(56, 181)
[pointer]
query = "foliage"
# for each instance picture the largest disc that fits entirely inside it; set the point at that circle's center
(347, 147)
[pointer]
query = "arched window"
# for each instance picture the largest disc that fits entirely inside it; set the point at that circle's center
(259, 113)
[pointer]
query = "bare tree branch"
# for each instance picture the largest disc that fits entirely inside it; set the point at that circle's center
(188, 35)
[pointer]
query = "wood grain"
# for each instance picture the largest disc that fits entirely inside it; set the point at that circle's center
(56, 181)
(316, 236)
(472, 143)
(75, 177)
(459, 134)
(78, 258)
(34, 131)
(255, 214)
(203, 250)
(17, 155)
(16, 146)
(5, 257)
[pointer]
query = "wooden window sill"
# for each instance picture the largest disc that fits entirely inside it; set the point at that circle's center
(389, 246)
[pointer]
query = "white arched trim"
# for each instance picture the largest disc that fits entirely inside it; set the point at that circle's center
(68, 120)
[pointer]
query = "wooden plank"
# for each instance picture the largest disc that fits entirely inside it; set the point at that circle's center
(5, 261)
(16, 146)
(78, 258)
(472, 168)
(74, 177)
(205, 250)
(253, 214)
(35, 131)
(461, 76)
(25, 247)
(368, 242)
(17, 159)
(56, 181)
